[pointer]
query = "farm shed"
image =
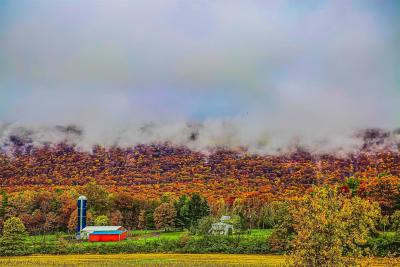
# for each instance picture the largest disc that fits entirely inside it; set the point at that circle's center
(104, 233)
(222, 227)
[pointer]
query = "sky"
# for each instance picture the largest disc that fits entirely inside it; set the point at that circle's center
(262, 74)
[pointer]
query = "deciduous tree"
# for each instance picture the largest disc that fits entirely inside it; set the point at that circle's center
(13, 240)
(329, 226)
(164, 216)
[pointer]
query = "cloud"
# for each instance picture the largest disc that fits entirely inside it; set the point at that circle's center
(252, 73)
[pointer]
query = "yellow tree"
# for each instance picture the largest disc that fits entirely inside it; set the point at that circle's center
(13, 240)
(330, 227)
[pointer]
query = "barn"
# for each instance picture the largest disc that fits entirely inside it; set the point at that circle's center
(104, 233)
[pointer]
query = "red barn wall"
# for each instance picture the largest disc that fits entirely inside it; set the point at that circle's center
(106, 238)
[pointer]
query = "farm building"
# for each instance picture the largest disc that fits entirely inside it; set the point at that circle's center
(103, 233)
(96, 233)
(222, 227)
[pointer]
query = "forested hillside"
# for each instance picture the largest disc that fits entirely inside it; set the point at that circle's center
(148, 171)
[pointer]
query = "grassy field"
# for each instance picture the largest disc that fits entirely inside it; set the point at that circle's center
(151, 241)
(156, 260)
(140, 236)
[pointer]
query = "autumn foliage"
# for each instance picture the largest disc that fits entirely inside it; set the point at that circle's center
(151, 170)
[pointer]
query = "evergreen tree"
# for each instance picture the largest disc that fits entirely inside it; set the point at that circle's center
(198, 208)
(182, 212)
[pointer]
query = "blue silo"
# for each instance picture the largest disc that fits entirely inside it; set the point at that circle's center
(81, 214)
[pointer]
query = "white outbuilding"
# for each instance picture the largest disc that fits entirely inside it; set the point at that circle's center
(221, 227)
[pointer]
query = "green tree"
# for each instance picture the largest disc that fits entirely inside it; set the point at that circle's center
(327, 226)
(164, 216)
(198, 208)
(13, 240)
(182, 212)
(101, 220)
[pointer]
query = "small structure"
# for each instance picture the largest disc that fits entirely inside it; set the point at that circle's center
(103, 233)
(222, 227)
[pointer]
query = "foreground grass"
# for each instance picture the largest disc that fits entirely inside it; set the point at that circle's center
(156, 260)
(201, 260)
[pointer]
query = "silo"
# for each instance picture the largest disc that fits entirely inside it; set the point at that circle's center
(81, 215)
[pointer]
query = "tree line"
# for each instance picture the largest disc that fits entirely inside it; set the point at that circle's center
(55, 210)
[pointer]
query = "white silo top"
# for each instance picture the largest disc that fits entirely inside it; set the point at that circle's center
(82, 198)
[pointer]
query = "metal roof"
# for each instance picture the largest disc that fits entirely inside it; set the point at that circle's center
(101, 228)
(116, 232)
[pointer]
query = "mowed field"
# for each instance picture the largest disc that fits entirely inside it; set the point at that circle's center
(199, 260)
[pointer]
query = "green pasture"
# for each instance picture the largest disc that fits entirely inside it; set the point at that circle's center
(137, 236)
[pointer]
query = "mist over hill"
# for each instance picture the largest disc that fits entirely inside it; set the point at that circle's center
(203, 137)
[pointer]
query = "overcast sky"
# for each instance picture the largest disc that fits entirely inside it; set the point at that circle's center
(270, 67)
